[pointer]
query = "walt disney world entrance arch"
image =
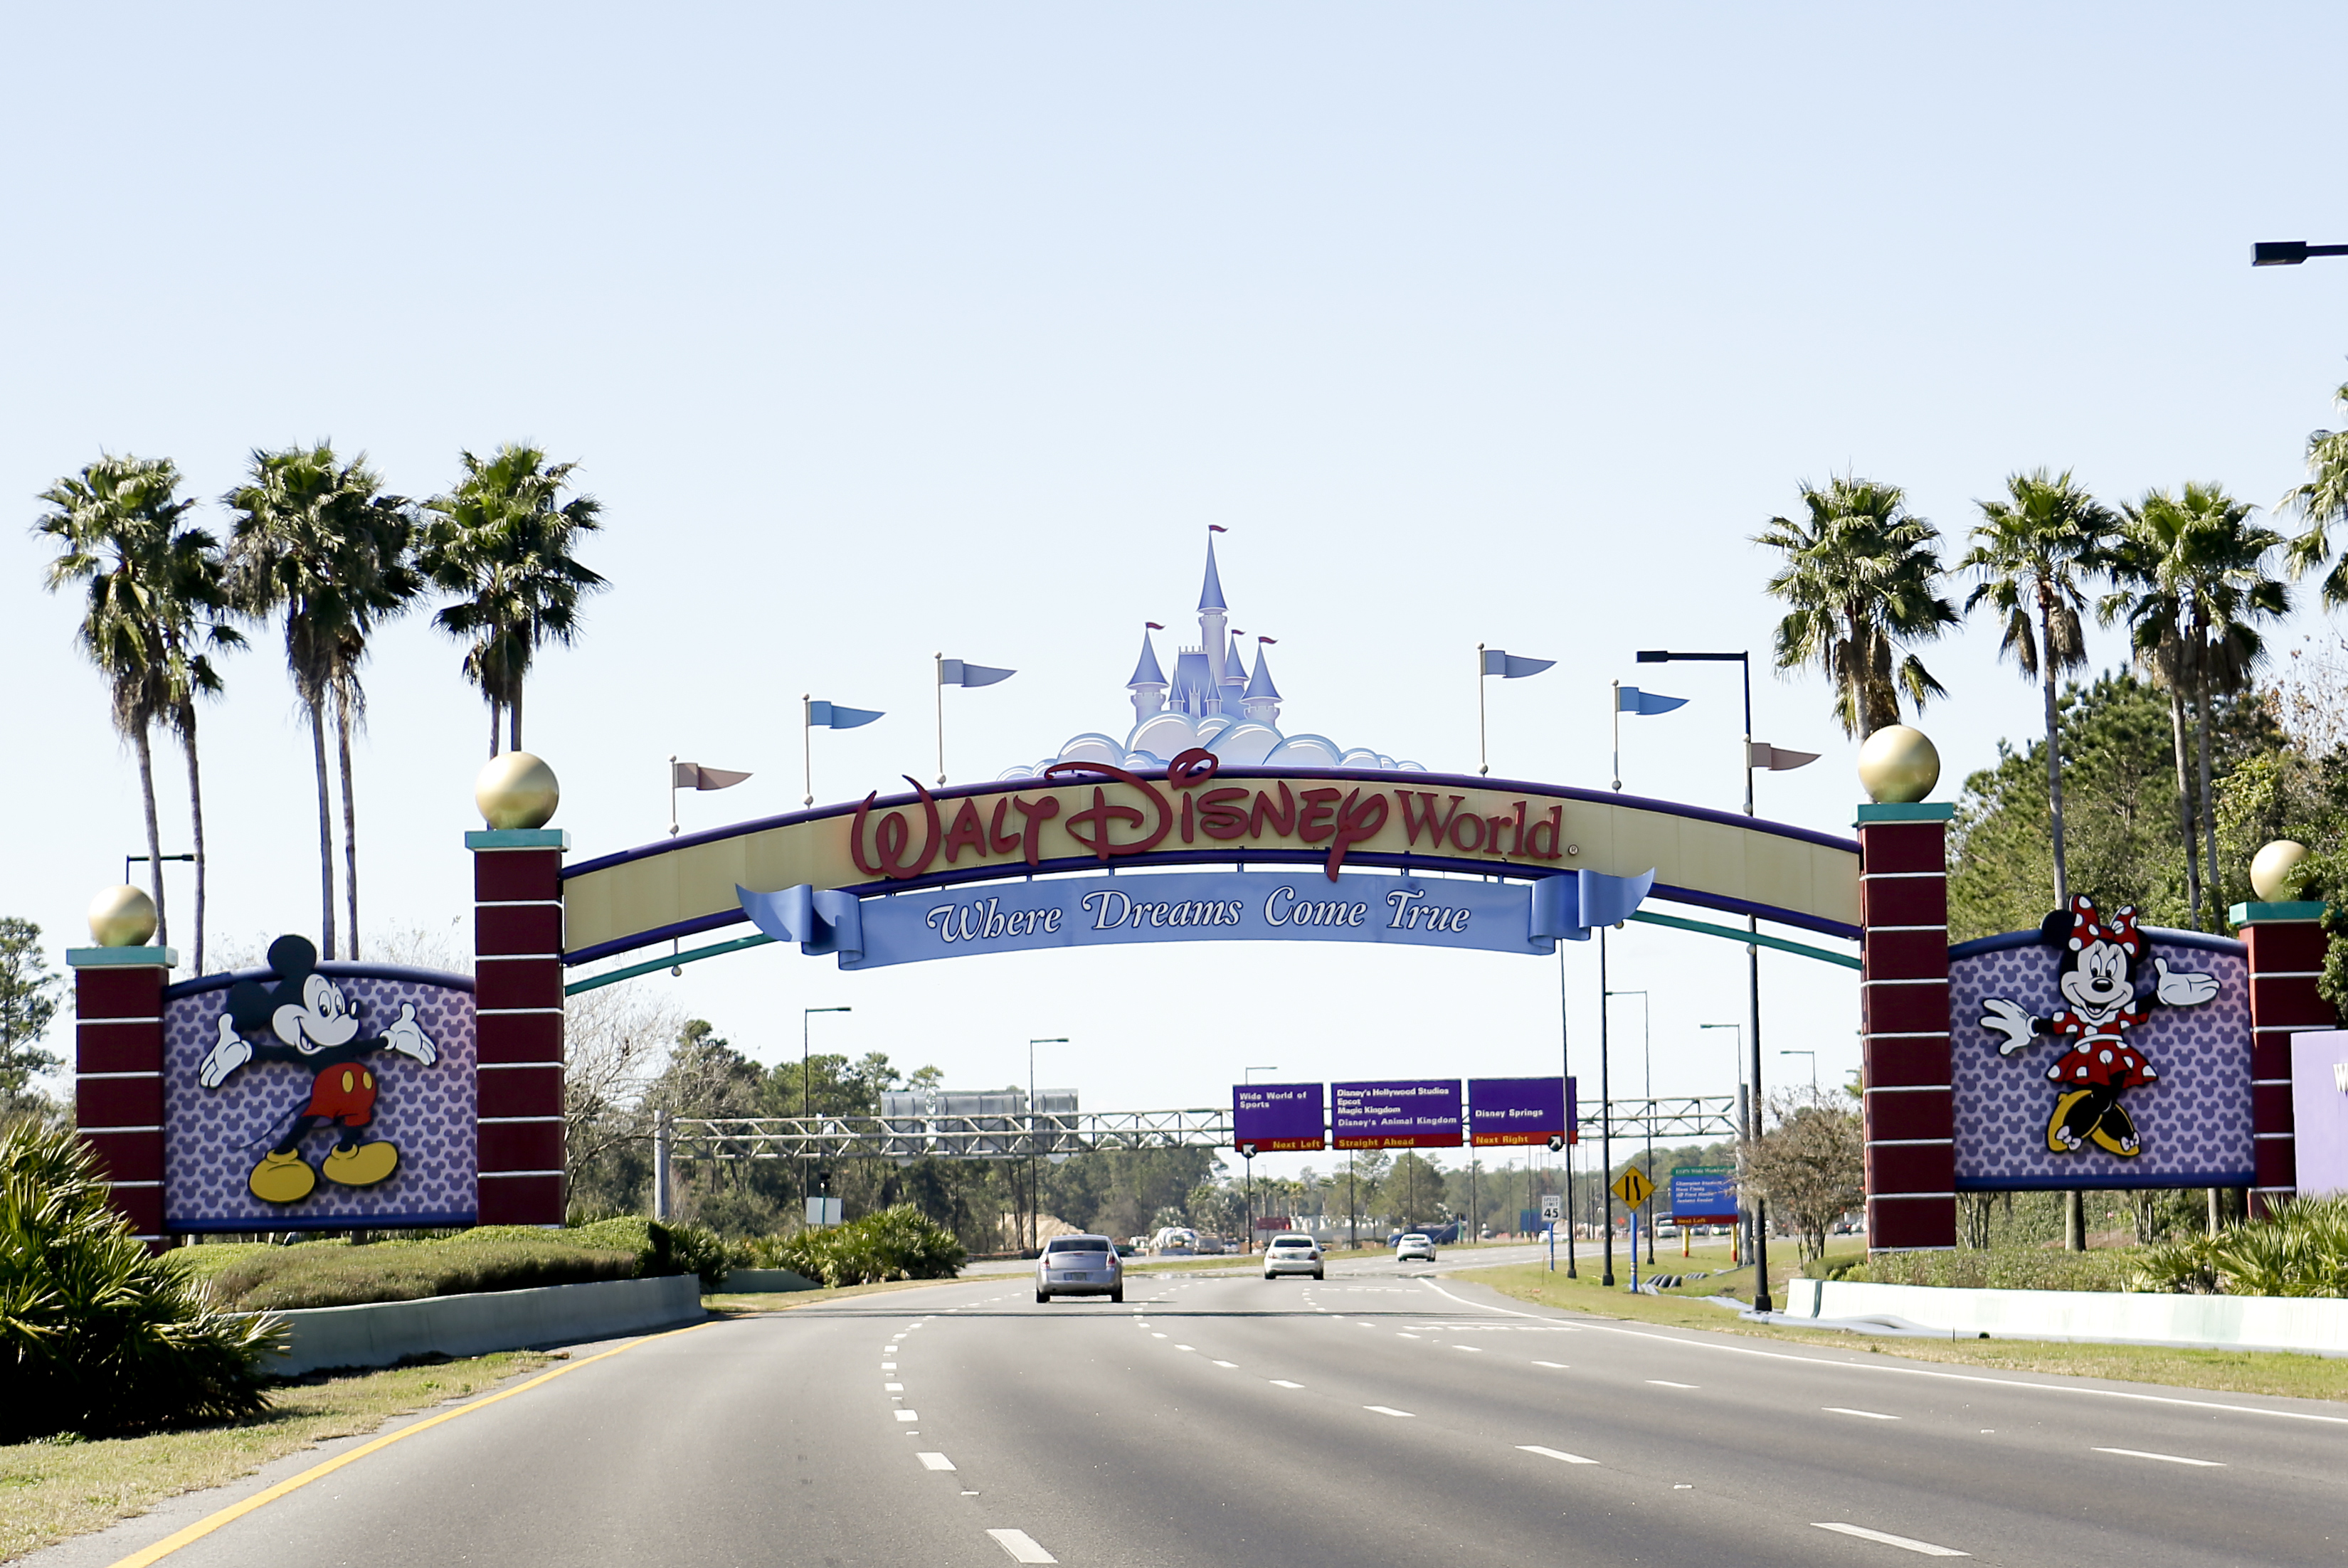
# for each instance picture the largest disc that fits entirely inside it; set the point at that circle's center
(324, 1095)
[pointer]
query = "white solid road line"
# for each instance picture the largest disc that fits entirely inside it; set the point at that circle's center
(1870, 1414)
(907, 1415)
(935, 1462)
(2165, 1459)
(1906, 1371)
(1902, 1541)
(1667, 1383)
(1390, 1411)
(1558, 1454)
(1284, 1383)
(1022, 1546)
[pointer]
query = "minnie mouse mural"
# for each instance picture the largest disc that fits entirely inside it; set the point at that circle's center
(2097, 976)
(310, 1023)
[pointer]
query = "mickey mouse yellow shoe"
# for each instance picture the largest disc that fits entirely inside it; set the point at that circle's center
(282, 1179)
(363, 1166)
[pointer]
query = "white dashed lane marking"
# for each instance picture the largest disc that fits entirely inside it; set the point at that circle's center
(1870, 1414)
(1904, 1543)
(1284, 1383)
(1558, 1365)
(2165, 1459)
(1390, 1411)
(935, 1462)
(1021, 1545)
(907, 1415)
(1663, 1383)
(1226, 1363)
(1558, 1454)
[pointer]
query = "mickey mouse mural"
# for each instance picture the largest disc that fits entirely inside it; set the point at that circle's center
(306, 1019)
(2097, 976)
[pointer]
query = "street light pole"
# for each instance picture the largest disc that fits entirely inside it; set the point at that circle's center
(1761, 1302)
(807, 1092)
(1647, 1049)
(1034, 1192)
(1605, 1123)
(2290, 252)
(1814, 1069)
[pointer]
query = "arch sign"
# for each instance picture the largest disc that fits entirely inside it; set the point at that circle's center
(1296, 856)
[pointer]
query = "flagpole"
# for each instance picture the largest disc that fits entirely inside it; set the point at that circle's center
(1483, 758)
(1618, 737)
(940, 659)
(672, 796)
(807, 745)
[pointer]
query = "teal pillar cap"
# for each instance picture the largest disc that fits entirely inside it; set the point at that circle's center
(518, 839)
(2274, 914)
(1897, 812)
(121, 957)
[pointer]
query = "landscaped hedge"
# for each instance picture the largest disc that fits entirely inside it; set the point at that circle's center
(2001, 1269)
(338, 1272)
(895, 1243)
(97, 1335)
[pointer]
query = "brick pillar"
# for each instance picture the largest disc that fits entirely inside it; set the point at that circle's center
(2286, 944)
(518, 1013)
(1903, 901)
(119, 1072)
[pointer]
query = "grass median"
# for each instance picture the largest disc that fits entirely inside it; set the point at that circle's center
(2217, 1371)
(64, 1487)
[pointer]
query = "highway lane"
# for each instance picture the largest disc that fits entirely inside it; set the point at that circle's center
(1372, 1418)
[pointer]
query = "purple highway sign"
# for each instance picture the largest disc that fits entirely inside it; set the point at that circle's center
(1276, 1118)
(1503, 1112)
(1410, 1114)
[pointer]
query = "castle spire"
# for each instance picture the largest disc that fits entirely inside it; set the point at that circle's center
(1210, 592)
(1148, 682)
(1260, 702)
(1213, 639)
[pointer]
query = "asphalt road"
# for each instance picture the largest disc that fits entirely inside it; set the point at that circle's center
(1380, 1417)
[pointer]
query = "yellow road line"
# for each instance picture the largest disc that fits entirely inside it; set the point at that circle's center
(236, 1511)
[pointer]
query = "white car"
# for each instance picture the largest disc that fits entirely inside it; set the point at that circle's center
(1079, 1265)
(1292, 1252)
(1414, 1245)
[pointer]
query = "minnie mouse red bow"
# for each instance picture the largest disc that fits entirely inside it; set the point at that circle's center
(2087, 926)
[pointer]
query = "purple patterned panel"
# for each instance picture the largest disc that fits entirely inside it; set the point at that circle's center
(213, 1137)
(2193, 1125)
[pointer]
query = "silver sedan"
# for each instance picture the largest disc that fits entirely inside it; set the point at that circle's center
(1079, 1265)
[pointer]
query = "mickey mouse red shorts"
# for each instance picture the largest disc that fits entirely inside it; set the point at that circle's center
(344, 1093)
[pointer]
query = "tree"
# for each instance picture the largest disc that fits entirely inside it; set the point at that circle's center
(1412, 1193)
(2031, 551)
(2321, 501)
(2193, 582)
(318, 540)
(1862, 573)
(502, 543)
(1811, 1166)
(152, 603)
(26, 1006)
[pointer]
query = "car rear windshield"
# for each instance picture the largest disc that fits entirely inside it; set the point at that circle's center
(1292, 1240)
(1075, 1244)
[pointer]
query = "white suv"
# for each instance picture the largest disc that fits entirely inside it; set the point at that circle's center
(1292, 1252)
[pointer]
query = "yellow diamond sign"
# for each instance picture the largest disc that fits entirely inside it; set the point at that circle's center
(1633, 1188)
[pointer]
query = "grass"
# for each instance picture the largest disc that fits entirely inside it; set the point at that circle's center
(53, 1490)
(251, 1277)
(2217, 1371)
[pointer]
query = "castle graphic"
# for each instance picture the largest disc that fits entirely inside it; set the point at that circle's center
(1214, 701)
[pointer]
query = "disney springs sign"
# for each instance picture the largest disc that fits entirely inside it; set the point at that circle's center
(874, 932)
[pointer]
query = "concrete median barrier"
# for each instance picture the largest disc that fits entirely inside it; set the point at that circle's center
(2308, 1326)
(381, 1333)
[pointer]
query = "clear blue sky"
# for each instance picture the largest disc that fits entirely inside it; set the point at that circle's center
(884, 330)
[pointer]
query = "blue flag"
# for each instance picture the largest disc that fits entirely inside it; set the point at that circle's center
(1609, 901)
(1631, 700)
(961, 672)
(1509, 668)
(835, 716)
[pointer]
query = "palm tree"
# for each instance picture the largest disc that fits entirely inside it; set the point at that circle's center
(500, 542)
(317, 540)
(2199, 571)
(2157, 635)
(2031, 553)
(154, 598)
(1861, 573)
(2323, 501)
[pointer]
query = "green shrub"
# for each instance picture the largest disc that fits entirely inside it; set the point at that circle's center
(895, 1243)
(97, 1335)
(2003, 1269)
(2301, 1249)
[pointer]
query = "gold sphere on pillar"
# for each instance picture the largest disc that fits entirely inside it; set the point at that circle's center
(1899, 765)
(122, 917)
(517, 791)
(2275, 870)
